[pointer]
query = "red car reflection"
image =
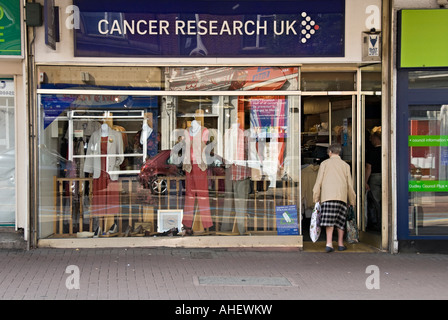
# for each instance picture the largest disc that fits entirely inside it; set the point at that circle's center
(154, 171)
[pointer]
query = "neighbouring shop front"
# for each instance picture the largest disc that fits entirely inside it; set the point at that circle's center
(422, 129)
(197, 123)
(12, 106)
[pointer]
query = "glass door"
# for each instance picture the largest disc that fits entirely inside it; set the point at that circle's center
(369, 164)
(7, 153)
(343, 128)
(325, 119)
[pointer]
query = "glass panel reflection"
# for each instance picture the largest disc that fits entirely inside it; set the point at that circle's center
(119, 166)
(428, 79)
(428, 170)
(327, 81)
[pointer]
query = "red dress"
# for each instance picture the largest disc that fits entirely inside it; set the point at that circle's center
(196, 187)
(106, 196)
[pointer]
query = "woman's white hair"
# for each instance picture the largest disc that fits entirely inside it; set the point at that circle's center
(335, 148)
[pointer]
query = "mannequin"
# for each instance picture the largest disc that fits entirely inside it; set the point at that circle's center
(237, 183)
(196, 181)
(105, 200)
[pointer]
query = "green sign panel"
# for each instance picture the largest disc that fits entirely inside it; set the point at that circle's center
(428, 186)
(424, 38)
(10, 36)
(428, 141)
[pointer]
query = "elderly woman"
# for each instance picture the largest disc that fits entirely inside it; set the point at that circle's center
(333, 188)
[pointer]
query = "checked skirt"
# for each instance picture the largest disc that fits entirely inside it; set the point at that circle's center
(333, 214)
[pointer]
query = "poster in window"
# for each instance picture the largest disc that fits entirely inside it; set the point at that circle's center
(287, 222)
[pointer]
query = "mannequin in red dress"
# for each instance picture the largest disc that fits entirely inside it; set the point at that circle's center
(196, 181)
(106, 196)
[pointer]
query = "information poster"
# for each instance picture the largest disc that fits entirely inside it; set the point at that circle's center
(287, 222)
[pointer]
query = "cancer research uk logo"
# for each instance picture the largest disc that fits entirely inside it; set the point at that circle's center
(309, 27)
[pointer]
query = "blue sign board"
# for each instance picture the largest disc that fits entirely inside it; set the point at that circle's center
(287, 222)
(210, 28)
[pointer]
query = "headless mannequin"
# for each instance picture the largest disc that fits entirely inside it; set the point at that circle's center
(196, 181)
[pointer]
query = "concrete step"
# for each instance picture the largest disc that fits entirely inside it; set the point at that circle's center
(12, 239)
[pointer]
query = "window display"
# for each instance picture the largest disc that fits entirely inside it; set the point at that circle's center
(120, 161)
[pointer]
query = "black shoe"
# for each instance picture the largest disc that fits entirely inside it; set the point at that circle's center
(342, 248)
(329, 249)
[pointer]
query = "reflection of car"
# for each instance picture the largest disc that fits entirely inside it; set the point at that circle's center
(153, 172)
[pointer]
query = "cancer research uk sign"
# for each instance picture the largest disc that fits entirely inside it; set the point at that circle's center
(210, 28)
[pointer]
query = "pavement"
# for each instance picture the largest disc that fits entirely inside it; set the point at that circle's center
(12, 239)
(182, 275)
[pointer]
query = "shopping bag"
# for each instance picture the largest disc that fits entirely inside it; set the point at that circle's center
(315, 223)
(352, 228)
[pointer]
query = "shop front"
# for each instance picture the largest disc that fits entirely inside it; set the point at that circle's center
(199, 125)
(422, 105)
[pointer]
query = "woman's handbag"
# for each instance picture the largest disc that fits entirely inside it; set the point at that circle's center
(352, 228)
(315, 223)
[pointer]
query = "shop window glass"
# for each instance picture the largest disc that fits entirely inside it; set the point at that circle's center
(235, 157)
(95, 78)
(7, 153)
(327, 81)
(428, 170)
(232, 78)
(370, 81)
(428, 79)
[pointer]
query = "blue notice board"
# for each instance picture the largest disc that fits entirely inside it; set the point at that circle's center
(287, 222)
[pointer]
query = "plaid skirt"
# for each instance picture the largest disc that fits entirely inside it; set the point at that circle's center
(333, 214)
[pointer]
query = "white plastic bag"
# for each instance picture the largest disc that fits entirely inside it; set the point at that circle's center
(315, 223)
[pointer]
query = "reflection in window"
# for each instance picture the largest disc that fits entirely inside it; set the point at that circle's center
(7, 153)
(328, 81)
(95, 78)
(232, 78)
(428, 170)
(114, 166)
(428, 79)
